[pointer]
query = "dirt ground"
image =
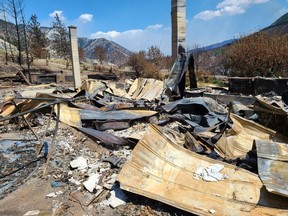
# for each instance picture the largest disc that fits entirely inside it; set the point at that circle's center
(30, 193)
(30, 196)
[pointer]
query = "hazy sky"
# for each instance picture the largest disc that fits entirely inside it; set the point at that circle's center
(139, 24)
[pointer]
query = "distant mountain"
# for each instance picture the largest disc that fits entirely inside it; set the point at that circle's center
(214, 46)
(10, 29)
(220, 44)
(280, 26)
(115, 53)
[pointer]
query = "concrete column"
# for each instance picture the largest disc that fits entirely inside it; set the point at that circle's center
(178, 18)
(75, 56)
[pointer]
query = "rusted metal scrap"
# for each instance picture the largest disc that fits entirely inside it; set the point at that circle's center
(115, 115)
(197, 106)
(85, 106)
(148, 89)
(115, 125)
(199, 112)
(89, 114)
(71, 117)
(273, 107)
(238, 141)
(240, 109)
(272, 113)
(106, 138)
(93, 87)
(27, 111)
(272, 166)
(162, 170)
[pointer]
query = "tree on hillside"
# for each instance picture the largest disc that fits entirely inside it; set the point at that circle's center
(101, 54)
(6, 36)
(25, 41)
(60, 38)
(259, 54)
(38, 40)
(14, 8)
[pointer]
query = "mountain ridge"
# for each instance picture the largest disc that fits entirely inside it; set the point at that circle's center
(116, 53)
(279, 26)
(281, 20)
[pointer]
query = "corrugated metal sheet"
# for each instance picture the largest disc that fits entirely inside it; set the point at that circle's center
(238, 141)
(163, 170)
(149, 89)
(106, 138)
(76, 115)
(275, 109)
(197, 106)
(71, 117)
(115, 115)
(273, 166)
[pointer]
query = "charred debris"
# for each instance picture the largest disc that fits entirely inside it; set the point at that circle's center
(138, 142)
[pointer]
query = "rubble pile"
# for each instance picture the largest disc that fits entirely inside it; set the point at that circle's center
(130, 149)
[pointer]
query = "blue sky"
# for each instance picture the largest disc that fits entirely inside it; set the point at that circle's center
(139, 24)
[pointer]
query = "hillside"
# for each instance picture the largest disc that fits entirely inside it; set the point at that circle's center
(115, 53)
(209, 58)
(280, 26)
(10, 28)
(283, 20)
(214, 46)
(10, 48)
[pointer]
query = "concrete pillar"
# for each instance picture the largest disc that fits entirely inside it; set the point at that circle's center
(178, 18)
(75, 56)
